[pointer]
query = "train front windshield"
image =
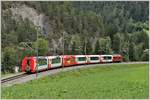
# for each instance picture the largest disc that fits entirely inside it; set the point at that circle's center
(28, 65)
(28, 62)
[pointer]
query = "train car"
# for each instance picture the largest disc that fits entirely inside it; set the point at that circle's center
(41, 63)
(68, 60)
(94, 59)
(48, 62)
(54, 61)
(106, 58)
(28, 64)
(81, 59)
(117, 58)
(33, 64)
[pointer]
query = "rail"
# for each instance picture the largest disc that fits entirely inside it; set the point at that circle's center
(13, 78)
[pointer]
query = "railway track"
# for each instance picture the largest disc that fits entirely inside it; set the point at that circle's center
(13, 78)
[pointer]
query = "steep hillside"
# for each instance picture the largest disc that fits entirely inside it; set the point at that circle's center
(86, 28)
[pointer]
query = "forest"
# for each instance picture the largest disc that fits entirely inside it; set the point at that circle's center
(74, 27)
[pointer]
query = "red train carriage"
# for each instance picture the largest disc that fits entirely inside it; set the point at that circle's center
(69, 60)
(28, 64)
(117, 58)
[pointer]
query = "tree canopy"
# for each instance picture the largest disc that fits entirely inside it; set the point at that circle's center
(91, 27)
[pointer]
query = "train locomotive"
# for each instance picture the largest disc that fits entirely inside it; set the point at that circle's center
(33, 64)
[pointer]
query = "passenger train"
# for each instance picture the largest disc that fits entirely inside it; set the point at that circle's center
(33, 64)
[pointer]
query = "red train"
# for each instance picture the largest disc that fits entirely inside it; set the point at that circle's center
(29, 64)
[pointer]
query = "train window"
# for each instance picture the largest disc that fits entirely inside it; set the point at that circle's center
(94, 58)
(42, 62)
(55, 60)
(81, 58)
(107, 58)
(28, 62)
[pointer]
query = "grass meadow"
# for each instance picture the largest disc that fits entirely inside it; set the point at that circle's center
(97, 82)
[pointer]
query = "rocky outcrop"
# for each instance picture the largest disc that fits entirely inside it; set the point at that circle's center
(32, 15)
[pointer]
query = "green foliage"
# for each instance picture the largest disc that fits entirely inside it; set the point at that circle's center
(129, 81)
(97, 47)
(132, 52)
(9, 59)
(139, 52)
(42, 45)
(105, 45)
(76, 44)
(118, 40)
(138, 43)
(145, 56)
(125, 57)
(73, 51)
(89, 49)
(125, 50)
(26, 32)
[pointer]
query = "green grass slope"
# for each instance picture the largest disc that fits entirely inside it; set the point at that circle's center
(109, 81)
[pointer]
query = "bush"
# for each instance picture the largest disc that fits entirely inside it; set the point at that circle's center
(9, 59)
(42, 46)
(145, 56)
(126, 57)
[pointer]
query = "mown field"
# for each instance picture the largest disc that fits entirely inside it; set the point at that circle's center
(109, 81)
